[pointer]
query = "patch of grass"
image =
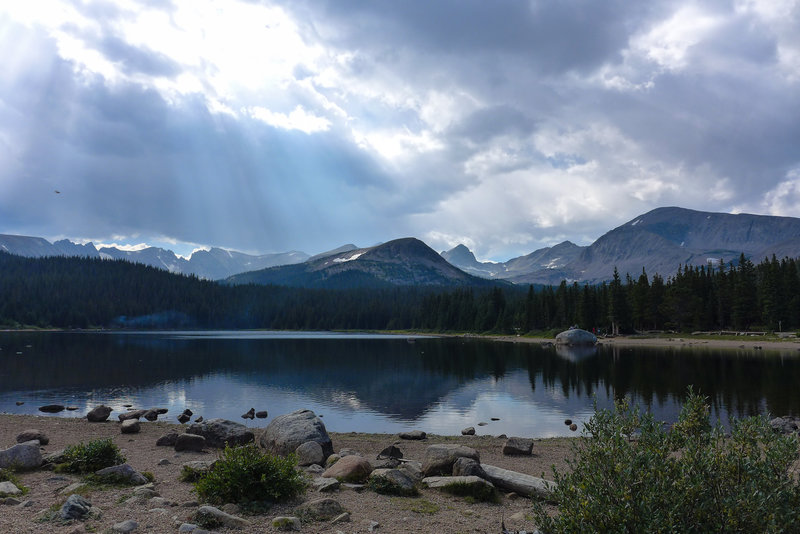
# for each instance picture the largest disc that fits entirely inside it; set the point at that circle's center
(418, 506)
(90, 457)
(247, 474)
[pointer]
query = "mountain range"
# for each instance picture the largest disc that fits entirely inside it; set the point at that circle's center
(213, 264)
(659, 241)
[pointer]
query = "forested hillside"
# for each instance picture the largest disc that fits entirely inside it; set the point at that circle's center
(80, 292)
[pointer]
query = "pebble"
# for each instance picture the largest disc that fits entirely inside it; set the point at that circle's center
(125, 526)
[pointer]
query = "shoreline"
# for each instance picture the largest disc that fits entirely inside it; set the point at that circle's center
(747, 343)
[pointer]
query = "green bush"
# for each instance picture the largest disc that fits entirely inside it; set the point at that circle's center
(90, 457)
(246, 474)
(693, 478)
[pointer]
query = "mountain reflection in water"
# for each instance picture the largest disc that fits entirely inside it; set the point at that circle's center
(382, 383)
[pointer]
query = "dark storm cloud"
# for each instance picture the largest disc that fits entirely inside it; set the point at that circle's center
(489, 122)
(551, 36)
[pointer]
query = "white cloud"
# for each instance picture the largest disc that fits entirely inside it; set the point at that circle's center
(298, 119)
(668, 42)
(784, 199)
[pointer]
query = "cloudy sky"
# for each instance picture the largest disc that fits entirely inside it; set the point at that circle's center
(266, 126)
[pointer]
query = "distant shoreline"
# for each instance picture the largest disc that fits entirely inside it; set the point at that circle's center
(678, 340)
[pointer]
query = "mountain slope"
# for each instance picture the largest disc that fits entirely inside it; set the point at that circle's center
(402, 262)
(548, 262)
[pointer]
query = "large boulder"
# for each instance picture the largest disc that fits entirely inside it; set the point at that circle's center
(576, 337)
(189, 442)
(218, 432)
(21, 456)
(130, 426)
(439, 458)
(352, 468)
(287, 432)
(98, 414)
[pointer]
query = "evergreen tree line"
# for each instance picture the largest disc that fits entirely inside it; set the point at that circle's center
(63, 292)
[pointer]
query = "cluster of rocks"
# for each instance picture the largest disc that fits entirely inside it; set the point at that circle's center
(302, 433)
(786, 424)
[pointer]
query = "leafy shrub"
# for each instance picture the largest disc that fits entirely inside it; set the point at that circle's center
(247, 474)
(90, 457)
(690, 479)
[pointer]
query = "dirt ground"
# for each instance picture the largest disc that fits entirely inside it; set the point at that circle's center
(431, 512)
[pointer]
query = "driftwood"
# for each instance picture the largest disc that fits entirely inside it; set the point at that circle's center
(519, 482)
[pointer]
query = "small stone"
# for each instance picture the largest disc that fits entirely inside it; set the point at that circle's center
(8, 488)
(567, 422)
(320, 509)
(199, 419)
(250, 414)
(262, 414)
(71, 408)
(51, 408)
(123, 472)
(390, 452)
(163, 461)
(183, 418)
(211, 514)
(372, 526)
(11, 501)
(20, 403)
(495, 418)
(573, 427)
(469, 431)
(483, 423)
(413, 435)
(518, 447)
(130, 426)
(76, 507)
(324, 484)
(125, 526)
(33, 434)
(286, 523)
(187, 527)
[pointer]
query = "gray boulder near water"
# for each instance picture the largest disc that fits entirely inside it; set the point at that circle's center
(287, 432)
(98, 414)
(576, 337)
(218, 432)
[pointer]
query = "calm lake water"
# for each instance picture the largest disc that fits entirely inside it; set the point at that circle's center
(378, 383)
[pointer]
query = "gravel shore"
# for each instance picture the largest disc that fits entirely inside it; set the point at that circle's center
(432, 511)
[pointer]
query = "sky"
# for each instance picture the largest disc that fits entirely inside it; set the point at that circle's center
(508, 126)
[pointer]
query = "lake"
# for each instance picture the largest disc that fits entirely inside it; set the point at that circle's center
(381, 383)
